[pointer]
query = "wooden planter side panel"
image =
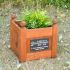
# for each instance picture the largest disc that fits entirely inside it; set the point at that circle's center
(36, 34)
(54, 40)
(14, 32)
(17, 41)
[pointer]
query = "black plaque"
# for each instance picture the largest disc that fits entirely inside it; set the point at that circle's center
(39, 44)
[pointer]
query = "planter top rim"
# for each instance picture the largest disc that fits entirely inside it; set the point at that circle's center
(31, 28)
(22, 24)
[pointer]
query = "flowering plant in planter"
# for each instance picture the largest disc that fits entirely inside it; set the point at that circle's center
(36, 19)
(34, 36)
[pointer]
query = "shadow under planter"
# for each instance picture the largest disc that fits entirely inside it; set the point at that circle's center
(31, 44)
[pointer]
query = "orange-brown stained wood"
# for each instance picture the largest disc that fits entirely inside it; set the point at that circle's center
(20, 41)
(40, 32)
(54, 40)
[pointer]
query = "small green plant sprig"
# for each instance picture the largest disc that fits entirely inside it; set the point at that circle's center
(36, 19)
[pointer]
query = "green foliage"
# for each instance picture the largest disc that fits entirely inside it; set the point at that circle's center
(1, 1)
(41, 3)
(36, 19)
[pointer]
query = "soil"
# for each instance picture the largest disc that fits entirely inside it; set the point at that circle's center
(9, 61)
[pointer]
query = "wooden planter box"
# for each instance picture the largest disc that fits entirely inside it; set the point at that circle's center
(31, 44)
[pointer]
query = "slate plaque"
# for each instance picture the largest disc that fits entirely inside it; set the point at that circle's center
(39, 44)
